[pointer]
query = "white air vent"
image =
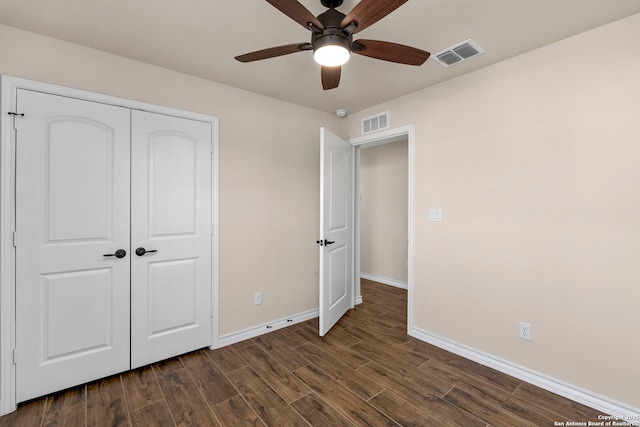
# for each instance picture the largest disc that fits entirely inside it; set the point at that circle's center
(375, 123)
(458, 53)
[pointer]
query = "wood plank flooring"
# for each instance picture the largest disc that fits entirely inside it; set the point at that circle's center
(366, 372)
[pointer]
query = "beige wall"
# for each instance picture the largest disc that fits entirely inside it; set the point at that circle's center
(535, 163)
(384, 199)
(269, 169)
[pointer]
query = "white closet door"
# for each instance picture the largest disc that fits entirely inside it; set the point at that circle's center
(72, 209)
(171, 221)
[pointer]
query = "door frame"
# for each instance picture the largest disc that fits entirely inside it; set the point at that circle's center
(384, 137)
(8, 88)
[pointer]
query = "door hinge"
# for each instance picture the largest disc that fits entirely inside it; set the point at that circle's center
(15, 356)
(211, 312)
(212, 227)
(15, 239)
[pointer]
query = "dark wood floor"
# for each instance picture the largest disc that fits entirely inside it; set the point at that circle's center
(365, 372)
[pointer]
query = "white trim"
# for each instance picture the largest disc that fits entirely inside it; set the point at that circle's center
(354, 232)
(411, 143)
(383, 137)
(20, 83)
(265, 328)
(384, 280)
(7, 251)
(8, 87)
(538, 379)
(215, 241)
(355, 221)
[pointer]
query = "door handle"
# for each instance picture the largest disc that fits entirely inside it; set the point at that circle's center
(120, 253)
(325, 242)
(141, 251)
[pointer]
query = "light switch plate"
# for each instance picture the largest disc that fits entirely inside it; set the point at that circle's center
(435, 214)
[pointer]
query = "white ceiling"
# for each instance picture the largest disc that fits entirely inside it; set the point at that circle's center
(201, 38)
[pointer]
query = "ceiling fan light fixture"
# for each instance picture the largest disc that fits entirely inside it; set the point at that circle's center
(331, 55)
(331, 51)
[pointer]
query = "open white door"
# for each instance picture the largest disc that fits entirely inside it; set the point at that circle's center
(336, 229)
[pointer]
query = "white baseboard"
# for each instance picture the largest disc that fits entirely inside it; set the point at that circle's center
(265, 328)
(384, 280)
(607, 406)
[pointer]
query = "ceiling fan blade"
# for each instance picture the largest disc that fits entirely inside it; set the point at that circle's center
(368, 12)
(392, 52)
(330, 77)
(296, 11)
(274, 51)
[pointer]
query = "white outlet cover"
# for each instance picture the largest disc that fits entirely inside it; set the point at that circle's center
(524, 331)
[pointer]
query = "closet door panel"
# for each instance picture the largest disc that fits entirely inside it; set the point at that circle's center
(171, 231)
(72, 208)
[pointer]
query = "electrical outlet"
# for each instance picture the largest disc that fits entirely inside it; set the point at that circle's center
(524, 331)
(257, 298)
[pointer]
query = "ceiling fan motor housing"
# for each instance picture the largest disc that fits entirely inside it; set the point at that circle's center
(331, 3)
(332, 34)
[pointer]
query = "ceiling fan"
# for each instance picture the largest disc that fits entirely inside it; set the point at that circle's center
(332, 37)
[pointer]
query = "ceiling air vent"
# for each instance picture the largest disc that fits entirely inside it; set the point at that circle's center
(458, 53)
(375, 123)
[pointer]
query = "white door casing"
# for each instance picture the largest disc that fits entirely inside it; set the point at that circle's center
(336, 229)
(72, 208)
(171, 214)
